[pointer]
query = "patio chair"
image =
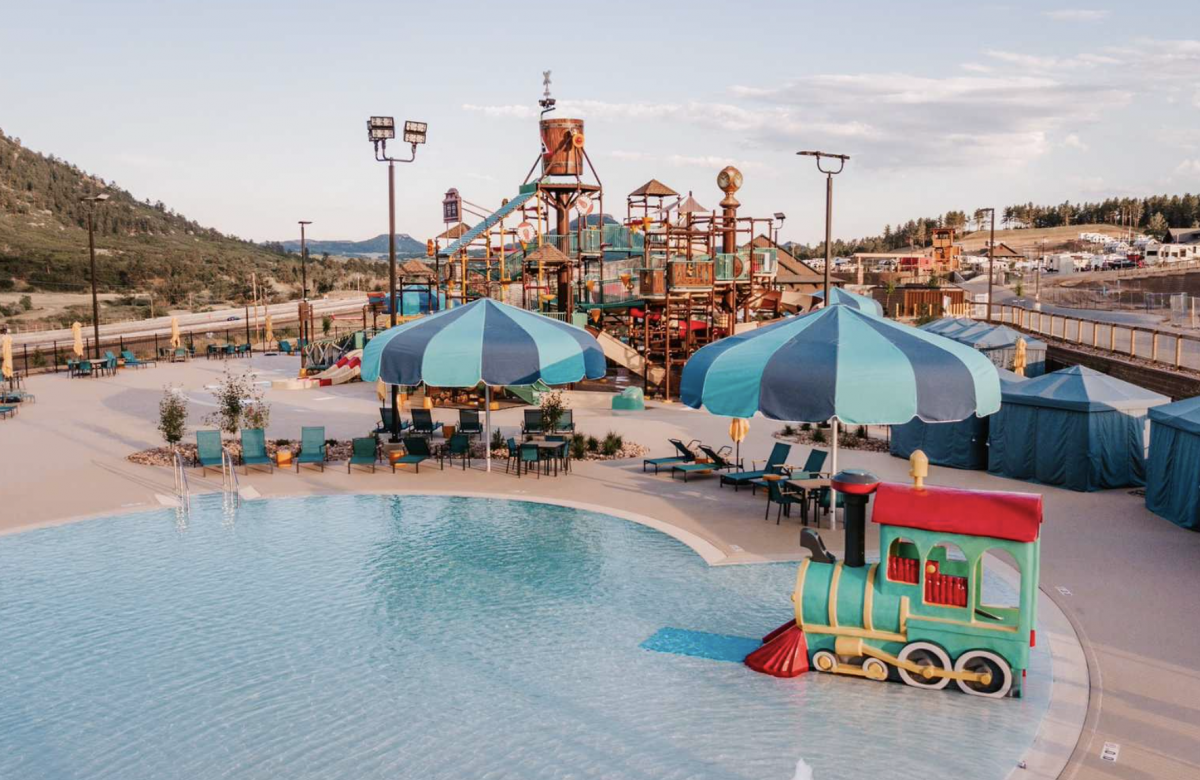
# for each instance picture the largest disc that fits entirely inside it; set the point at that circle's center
(208, 451)
(181, 355)
(514, 456)
(684, 454)
(312, 446)
(422, 422)
(254, 450)
(416, 449)
(812, 467)
(83, 368)
(530, 454)
(110, 361)
(717, 462)
(563, 453)
(132, 360)
(468, 422)
(212, 352)
(285, 347)
(460, 447)
(566, 423)
(774, 464)
(780, 494)
(532, 422)
(242, 350)
(363, 452)
(385, 421)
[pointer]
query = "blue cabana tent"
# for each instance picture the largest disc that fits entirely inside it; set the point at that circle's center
(1077, 428)
(947, 324)
(959, 445)
(999, 343)
(1173, 468)
(842, 297)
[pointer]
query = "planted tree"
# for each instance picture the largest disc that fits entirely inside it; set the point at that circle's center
(172, 415)
(240, 404)
(553, 404)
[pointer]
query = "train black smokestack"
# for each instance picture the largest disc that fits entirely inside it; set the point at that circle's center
(856, 486)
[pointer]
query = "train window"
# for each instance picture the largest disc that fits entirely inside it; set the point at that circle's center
(946, 573)
(997, 599)
(903, 562)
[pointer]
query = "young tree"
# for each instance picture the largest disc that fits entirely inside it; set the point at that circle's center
(1157, 226)
(172, 415)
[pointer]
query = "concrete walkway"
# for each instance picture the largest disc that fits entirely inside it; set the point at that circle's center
(1123, 577)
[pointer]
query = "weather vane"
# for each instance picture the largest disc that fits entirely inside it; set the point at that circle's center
(547, 102)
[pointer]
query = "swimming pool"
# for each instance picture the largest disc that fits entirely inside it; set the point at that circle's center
(432, 637)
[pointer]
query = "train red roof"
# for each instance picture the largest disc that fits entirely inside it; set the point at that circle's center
(1015, 516)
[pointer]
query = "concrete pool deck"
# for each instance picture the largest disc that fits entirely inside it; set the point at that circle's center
(1120, 575)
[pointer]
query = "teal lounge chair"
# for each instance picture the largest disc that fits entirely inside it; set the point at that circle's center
(385, 424)
(717, 458)
(566, 423)
(812, 467)
(468, 422)
(422, 422)
(774, 464)
(312, 447)
(416, 450)
(460, 447)
(684, 454)
(363, 452)
(533, 421)
(132, 360)
(254, 450)
(7, 411)
(285, 347)
(208, 451)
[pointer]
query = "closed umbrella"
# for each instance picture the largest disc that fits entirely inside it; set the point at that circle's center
(1020, 359)
(738, 428)
(268, 333)
(176, 342)
(484, 341)
(838, 364)
(6, 367)
(381, 390)
(77, 339)
(844, 298)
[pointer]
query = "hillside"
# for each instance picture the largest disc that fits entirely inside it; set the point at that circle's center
(1031, 239)
(406, 246)
(142, 247)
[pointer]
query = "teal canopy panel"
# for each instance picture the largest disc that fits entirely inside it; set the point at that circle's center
(1173, 468)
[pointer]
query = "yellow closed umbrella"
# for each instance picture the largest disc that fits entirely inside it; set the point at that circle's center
(381, 391)
(176, 342)
(269, 333)
(1020, 359)
(77, 336)
(738, 428)
(6, 368)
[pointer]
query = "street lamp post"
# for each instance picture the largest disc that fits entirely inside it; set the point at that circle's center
(829, 174)
(305, 337)
(991, 259)
(92, 201)
(779, 218)
(381, 129)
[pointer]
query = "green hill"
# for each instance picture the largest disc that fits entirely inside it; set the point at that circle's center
(141, 246)
(406, 246)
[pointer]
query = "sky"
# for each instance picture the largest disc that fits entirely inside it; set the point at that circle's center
(248, 116)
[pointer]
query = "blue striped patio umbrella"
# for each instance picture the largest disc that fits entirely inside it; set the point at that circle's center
(839, 364)
(484, 341)
(840, 297)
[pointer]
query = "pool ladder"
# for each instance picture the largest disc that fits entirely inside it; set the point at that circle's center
(229, 480)
(182, 492)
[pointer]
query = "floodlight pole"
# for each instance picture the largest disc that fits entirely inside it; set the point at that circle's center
(829, 174)
(381, 155)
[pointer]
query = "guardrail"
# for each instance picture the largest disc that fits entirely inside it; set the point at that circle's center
(182, 492)
(1166, 349)
(229, 480)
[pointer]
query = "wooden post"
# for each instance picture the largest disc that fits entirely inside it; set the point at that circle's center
(1112, 338)
(1078, 331)
(1178, 349)
(1132, 342)
(1095, 334)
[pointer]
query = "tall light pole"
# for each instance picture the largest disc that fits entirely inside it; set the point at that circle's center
(991, 258)
(304, 337)
(829, 174)
(92, 201)
(380, 130)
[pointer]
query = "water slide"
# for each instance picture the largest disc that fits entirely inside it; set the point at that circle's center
(529, 393)
(624, 355)
(347, 369)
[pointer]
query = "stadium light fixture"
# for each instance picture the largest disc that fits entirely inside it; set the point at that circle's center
(414, 132)
(381, 128)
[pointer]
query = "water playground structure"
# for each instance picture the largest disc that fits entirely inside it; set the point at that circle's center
(918, 615)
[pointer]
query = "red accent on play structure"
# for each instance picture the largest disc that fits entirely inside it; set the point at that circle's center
(902, 569)
(784, 656)
(1014, 516)
(355, 362)
(1033, 637)
(325, 382)
(791, 622)
(944, 588)
(341, 363)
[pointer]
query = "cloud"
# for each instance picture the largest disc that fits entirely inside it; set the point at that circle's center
(1073, 141)
(1076, 15)
(1188, 168)
(711, 162)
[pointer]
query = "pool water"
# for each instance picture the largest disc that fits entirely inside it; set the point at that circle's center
(432, 637)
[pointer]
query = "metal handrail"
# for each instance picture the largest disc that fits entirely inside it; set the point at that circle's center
(229, 479)
(182, 491)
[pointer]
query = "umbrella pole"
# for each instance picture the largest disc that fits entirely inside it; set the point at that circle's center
(833, 471)
(487, 416)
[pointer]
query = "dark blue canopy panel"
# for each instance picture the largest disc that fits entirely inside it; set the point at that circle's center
(1173, 468)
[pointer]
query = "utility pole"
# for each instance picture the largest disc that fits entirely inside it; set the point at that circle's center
(303, 287)
(991, 259)
(829, 174)
(92, 201)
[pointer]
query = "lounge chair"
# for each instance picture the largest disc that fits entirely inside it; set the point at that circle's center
(210, 353)
(812, 467)
(566, 423)
(363, 452)
(254, 450)
(468, 422)
(774, 464)
(110, 361)
(684, 454)
(132, 360)
(7, 411)
(285, 347)
(245, 350)
(422, 422)
(460, 447)
(416, 449)
(208, 451)
(312, 447)
(533, 421)
(385, 421)
(717, 462)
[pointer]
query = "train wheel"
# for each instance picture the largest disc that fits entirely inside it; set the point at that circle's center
(875, 669)
(929, 657)
(999, 678)
(824, 661)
